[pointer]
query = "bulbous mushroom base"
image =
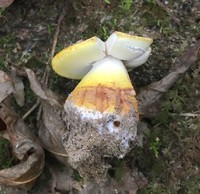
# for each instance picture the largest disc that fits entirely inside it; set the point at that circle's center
(93, 136)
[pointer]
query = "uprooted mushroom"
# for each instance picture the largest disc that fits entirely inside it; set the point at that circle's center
(102, 111)
(100, 117)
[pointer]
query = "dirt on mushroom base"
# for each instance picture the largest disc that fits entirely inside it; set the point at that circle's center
(26, 34)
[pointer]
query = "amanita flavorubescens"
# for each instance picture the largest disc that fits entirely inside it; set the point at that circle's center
(102, 111)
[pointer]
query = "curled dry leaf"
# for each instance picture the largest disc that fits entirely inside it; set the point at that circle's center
(6, 85)
(149, 96)
(51, 131)
(52, 127)
(5, 3)
(18, 88)
(45, 95)
(25, 148)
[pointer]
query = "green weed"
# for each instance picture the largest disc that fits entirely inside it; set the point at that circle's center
(77, 177)
(104, 33)
(1, 11)
(125, 5)
(154, 145)
(107, 1)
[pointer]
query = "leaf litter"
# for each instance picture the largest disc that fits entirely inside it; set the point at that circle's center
(149, 97)
(28, 151)
(25, 147)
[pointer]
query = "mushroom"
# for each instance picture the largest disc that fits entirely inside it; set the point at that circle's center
(102, 111)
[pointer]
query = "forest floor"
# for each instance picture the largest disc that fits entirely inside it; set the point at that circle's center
(170, 155)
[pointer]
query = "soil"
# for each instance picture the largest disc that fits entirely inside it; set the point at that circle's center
(170, 156)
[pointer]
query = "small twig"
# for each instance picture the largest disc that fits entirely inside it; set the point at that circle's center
(31, 109)
(39, 113)
(45, 77)
(186, 114)
(47, 70)
(55, 40)
(168, 11)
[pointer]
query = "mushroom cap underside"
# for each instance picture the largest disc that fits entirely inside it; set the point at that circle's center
(78, 59)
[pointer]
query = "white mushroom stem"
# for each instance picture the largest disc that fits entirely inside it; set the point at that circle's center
(109, 72)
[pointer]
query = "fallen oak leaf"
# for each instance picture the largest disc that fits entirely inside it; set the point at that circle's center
(25, 148)
(149, 97)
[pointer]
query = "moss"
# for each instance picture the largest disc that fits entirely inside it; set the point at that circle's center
(117, 169)
(6, 45)
(33, 63)
(173, 161)
(2, 65)
(126, 5)
(77, 177)
(107, 1)
(154, 16)
(2, 9)
(6, 159)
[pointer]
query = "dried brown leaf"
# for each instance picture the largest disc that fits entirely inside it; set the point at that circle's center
(45, 95)
(18, 88)
(150, 96)
(5, 3)
(51, 131)
(6, 85)
(25, 148)
(52, 125)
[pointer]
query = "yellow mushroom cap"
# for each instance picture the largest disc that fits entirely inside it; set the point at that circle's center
(127, 47)
(75, 61)
(137, 61)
